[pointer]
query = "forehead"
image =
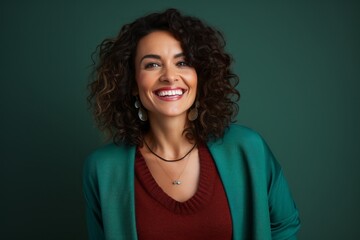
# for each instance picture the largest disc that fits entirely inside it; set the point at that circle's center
(158, 42)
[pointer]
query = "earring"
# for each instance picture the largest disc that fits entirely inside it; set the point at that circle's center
(194, 113)
(141, 113)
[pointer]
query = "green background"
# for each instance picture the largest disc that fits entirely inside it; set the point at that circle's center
(299, 65)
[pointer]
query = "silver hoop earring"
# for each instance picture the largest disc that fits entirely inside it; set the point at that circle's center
(194, 113)
(141, 113)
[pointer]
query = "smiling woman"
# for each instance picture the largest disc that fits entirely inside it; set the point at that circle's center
(201, 47)
(177, 168)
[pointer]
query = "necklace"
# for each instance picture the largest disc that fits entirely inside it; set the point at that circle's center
(169, 160)
(177, 181)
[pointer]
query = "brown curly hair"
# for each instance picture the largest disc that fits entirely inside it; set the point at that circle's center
(113, 82)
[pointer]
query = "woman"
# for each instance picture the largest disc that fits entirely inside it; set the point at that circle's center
(177, 167)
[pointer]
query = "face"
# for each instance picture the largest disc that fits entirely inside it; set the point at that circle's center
(166, 84)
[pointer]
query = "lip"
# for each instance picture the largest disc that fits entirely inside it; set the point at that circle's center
(169, 93)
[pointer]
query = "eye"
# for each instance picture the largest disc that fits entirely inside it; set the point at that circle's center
(151, 65)
(182, 64)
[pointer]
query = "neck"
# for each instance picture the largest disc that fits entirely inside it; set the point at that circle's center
(166, 137)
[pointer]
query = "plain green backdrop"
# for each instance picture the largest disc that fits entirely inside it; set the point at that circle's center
(299, 65)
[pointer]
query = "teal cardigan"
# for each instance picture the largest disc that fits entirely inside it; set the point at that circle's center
(260, 202)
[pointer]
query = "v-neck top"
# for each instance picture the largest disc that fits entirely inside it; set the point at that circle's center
(205, 215)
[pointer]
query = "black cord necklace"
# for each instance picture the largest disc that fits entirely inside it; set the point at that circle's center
(167, 160)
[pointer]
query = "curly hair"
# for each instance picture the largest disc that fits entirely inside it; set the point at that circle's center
(113, 81)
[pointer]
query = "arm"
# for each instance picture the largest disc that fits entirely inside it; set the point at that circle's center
(92, 202)
(284, 216)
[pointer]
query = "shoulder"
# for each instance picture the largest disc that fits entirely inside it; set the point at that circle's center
(108, 157)
(241, 132)
(241, 144)
(241, 136)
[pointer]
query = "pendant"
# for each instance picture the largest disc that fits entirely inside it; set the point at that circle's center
(176, 182)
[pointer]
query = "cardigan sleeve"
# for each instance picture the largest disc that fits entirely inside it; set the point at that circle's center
(260, 201)
(109, 193)
(284, 216)
(92, 201)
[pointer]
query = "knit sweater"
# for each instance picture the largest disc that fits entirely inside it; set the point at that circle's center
(206, 215)
(260, 202)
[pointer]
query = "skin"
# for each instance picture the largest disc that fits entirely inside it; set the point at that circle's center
(167, 86)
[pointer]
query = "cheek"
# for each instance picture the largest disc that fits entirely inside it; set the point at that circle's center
(142, 81)
(192, 79)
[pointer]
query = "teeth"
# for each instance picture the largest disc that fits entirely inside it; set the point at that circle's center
(170, 93)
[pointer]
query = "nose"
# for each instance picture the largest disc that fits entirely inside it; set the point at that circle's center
(169, 74)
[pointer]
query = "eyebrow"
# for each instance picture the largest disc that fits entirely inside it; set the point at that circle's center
(158, 57)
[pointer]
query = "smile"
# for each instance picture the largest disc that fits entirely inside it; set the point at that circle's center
(170, 93)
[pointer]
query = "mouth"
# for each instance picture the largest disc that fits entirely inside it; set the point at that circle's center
(170, 92)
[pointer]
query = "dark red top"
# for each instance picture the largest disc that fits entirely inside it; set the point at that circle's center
(206, 215)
